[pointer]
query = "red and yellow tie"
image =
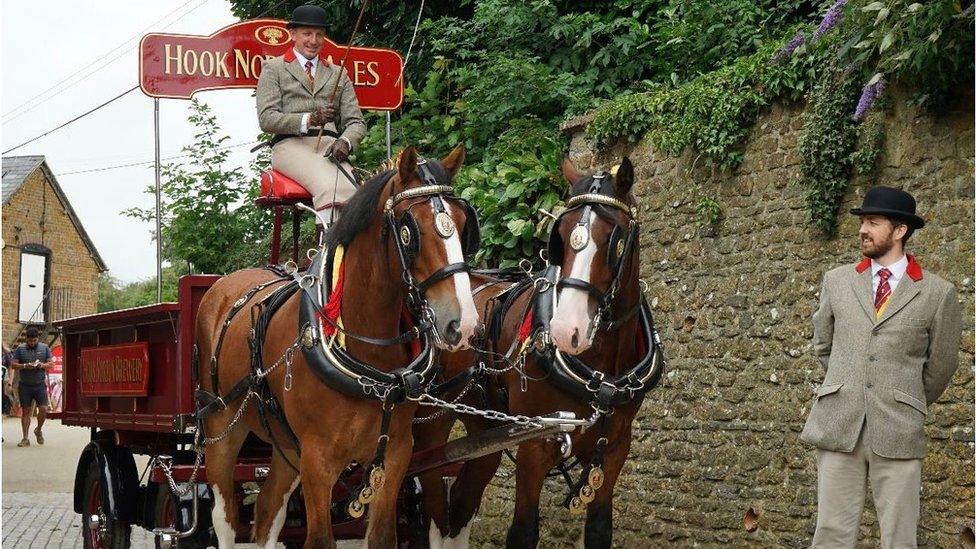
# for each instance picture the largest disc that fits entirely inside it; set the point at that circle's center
(883, 294)
(308, 72)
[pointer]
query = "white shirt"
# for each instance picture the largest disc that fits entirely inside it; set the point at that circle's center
(302, 60)
(897, 269)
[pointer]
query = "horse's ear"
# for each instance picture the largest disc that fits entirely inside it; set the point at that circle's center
(570, 173)
(624, 179)
(454, 160)
(407, 165)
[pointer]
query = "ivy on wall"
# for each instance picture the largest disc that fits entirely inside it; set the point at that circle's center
(842, 66)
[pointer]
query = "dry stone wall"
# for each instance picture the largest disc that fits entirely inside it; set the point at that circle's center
(719, 439)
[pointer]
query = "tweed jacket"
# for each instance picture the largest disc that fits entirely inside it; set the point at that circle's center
(881, 373)
(284, 95)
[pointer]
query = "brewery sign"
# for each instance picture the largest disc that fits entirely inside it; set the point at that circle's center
(115, 370)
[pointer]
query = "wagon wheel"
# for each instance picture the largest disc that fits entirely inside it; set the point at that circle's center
(165, 514)
(99, 531)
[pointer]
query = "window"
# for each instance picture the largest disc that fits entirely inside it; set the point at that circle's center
(34, 261)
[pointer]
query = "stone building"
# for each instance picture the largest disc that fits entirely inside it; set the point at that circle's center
(716, 446)
(50, 265)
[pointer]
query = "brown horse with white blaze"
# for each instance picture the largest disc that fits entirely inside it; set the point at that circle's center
(591, 350)
(334, 428)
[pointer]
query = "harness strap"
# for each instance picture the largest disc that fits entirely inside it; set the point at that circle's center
(446, 271)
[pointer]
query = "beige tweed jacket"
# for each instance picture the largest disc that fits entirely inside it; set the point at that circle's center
(881, 373)
(284, 95)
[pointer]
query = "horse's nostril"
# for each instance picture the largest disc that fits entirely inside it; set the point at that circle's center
(575, 342)
(453, 333)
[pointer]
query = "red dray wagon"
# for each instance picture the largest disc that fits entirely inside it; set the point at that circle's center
(128, 377)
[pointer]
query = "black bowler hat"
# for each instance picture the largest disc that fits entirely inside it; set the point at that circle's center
(890, 202)
(308, 15)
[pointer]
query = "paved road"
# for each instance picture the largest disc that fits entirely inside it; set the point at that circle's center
(37, 484)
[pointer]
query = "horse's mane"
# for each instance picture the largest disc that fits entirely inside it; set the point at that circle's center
(363, 207)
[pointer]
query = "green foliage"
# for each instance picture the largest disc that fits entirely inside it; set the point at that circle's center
(712, 113)
(925, 46)
(708, 211)
(114, 294)
(209, 219)
(829, 136)
(870, 139)
(518, 178)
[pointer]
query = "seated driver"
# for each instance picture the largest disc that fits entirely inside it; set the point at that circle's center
(293, 103)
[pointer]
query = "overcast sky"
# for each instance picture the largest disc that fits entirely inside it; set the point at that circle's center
(42, 44)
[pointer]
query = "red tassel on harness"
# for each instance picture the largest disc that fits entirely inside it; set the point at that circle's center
(333, 308)
(526, 328)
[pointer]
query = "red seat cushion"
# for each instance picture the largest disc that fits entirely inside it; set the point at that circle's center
(275, 184)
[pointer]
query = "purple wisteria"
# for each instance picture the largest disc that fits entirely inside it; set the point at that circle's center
(870, 93)
(790, 46)
(830, 20)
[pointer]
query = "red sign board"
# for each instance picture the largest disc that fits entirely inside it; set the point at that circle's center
(179, 65)
(115, 370)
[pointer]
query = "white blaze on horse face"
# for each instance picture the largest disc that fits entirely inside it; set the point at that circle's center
(279, 519)
(570, 323)
(462, 287)
(434, 538)
(223, 528)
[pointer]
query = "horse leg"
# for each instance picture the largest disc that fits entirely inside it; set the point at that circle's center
(220, 460)
(467, 491)
(272, 504)
(598, 532)
(427, 435)
(534, 461)
(381, 529)
(320, 467)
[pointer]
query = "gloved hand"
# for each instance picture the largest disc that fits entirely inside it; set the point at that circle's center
(340, 150)
(322, 116)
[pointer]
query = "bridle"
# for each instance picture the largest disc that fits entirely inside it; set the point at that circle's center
(620, 248)
(407, 237)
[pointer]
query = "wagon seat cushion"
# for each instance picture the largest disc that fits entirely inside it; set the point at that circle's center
(278, 187)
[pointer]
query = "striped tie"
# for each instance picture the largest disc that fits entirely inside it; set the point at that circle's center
(884, 291)
(308, 72)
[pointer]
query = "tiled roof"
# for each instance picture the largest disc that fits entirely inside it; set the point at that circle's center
(15, 172)
(16, 169)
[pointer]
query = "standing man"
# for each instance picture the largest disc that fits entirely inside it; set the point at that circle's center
(887, 333)
(293, 102)
(32, 360)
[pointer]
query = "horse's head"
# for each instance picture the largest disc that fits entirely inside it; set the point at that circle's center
(592, 242)
(434, 231)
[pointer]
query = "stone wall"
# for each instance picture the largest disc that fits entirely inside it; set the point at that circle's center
(35, 215)
(719, 437)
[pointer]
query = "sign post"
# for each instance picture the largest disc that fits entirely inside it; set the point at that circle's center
(159, 213)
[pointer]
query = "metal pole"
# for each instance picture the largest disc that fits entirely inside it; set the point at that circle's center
(389, 147)
(159, 222)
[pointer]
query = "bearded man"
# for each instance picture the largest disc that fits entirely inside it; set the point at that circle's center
(295, 102)
(887, 333)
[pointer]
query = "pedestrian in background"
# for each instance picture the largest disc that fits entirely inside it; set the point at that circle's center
(7, 373)
(31, 360)
(887, 333)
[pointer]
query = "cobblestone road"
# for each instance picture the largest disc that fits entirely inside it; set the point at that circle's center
(47, 520)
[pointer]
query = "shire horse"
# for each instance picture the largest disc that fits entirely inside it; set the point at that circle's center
(400, 226)
(579, 338)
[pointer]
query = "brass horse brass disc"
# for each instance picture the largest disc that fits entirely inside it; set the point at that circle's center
(355, 509)
(405, 236)
(620, 248)
(587, 494)
(595, 478)
(576, 506)
(367, 495)
(377, 478)
(444, 225)
(579, 237)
